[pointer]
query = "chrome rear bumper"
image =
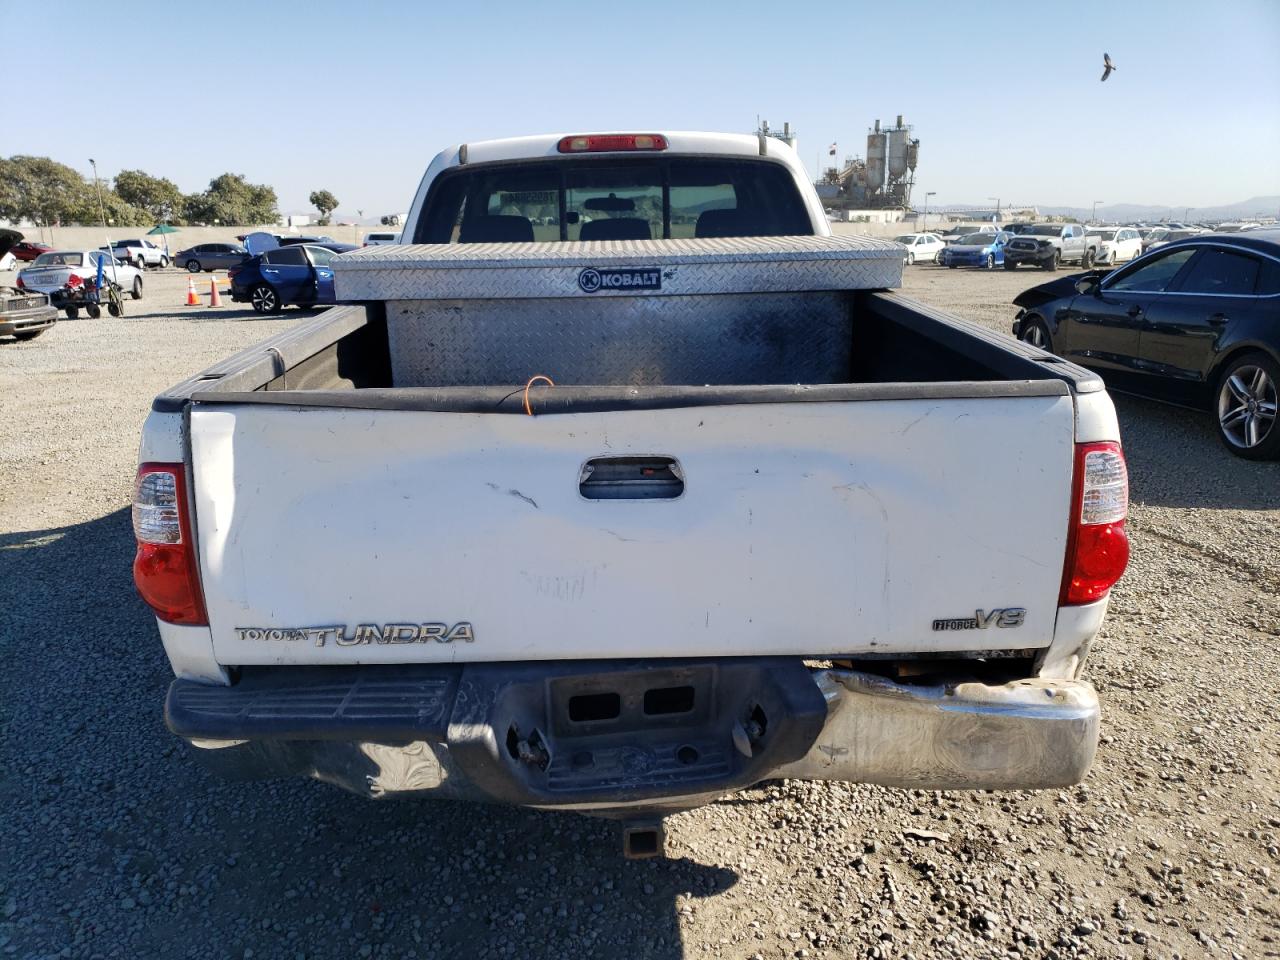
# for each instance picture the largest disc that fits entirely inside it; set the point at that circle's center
(1028, 734)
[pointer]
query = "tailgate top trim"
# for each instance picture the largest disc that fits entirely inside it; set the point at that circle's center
(509, 399)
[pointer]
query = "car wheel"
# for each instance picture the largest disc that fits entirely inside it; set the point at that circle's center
(73, 313)
(1034, 332)
(937, 257)
(1087, 259)
(1011, 265)
(1247, 398)
(1050, 263)
(94, 311)
(265, 299)
(991, 261)
(193, 266)
(911, 259)
(164, 262)
(115, 309)
(136, 292)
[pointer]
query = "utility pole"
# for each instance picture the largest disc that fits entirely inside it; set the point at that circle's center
(931, 193)
(1093, 217)
(357, 230)
(997, 200)
(102, 212)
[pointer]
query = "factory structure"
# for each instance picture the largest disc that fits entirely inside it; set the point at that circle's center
(881, 181)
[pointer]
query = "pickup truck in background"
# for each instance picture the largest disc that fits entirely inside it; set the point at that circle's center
(624, 485)
(1049, 245)
(138, 253)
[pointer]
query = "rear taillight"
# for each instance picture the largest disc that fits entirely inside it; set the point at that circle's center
(1097, 545)
(21, 285)
(598, 143)
(164, 567)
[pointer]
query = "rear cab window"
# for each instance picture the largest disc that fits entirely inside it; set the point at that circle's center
(613, 198)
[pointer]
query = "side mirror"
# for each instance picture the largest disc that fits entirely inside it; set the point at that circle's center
(1088, 284)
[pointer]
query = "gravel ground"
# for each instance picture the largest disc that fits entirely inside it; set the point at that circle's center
(114, 844)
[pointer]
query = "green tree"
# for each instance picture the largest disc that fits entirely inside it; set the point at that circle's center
(325, 202)
(159, 198)
(231, 199)
(40, 190)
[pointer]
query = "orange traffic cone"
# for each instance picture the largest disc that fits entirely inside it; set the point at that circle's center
(192, 299)
(214, 299)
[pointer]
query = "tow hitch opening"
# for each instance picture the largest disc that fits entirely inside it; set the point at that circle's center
(643, 840)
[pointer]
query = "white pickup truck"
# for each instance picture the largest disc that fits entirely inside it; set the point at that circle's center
(623, 485)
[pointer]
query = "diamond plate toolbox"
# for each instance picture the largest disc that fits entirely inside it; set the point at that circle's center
(616, 268)
(704, 311)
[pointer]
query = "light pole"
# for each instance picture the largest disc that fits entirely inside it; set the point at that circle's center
(931, 193)
(997, 200)
(102, 212)
(1093, 217)
(357, 230)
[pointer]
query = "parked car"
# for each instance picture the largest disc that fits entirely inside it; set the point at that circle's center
(28, 250)
(140, 253)
(1047, 245)
(975, 250)
(24, 314)
(1013, 229)
(921, 247)
(1195, 322)
(210, 256)
(1169, 236)
(953, 234)
(1122, 243)
(290, 275)
(52, 272)
(381, 239)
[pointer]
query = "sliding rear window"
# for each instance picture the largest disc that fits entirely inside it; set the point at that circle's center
(613, 199)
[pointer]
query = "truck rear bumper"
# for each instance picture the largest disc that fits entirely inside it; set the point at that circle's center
(656, 735)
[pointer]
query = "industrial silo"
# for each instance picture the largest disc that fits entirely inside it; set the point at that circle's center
(877, 149)
(898, 150)
(913, 153)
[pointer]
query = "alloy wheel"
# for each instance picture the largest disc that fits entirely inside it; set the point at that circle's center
(1034, 335)
(1247, 406)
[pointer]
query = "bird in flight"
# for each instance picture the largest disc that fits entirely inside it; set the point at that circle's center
(1107, 66)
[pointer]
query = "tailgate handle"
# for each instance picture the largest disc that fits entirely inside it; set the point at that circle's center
(631, 478)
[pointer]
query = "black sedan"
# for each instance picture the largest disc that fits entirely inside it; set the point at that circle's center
(1195, 322)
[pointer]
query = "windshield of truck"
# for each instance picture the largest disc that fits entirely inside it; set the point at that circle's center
(613, 199)
(1043, 230)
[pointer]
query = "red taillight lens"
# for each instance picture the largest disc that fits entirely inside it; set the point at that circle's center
(164, 567)
(74, 281)
(21, 285)
(598, 143)
(1097, 545)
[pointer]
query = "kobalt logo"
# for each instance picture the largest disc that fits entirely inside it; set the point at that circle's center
(591, 280)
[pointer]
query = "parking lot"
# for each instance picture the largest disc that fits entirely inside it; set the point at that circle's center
(115, 844)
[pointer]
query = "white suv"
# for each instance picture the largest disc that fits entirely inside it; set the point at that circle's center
(381, 239)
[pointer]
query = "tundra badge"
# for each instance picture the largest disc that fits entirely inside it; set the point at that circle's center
(364, 633)
(982, 619)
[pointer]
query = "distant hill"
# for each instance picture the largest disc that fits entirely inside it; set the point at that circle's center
(1245, 209)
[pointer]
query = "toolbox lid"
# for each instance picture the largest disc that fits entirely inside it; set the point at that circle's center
(626, 268)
